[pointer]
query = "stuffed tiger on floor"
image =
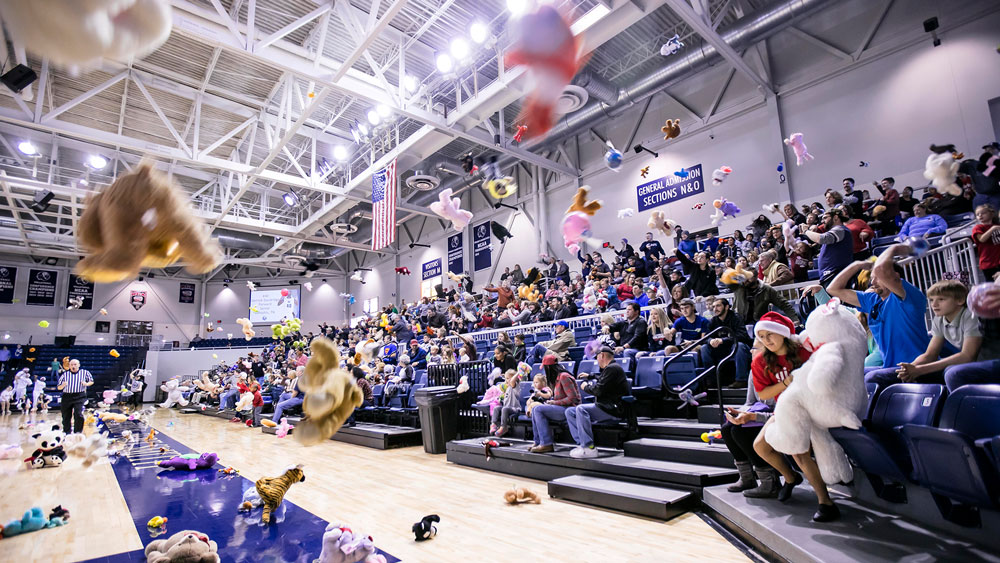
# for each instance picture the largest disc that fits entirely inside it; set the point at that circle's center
(272, 489)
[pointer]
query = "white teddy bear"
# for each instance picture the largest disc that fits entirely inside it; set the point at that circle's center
(175, 393)
(828, 391)
(941, 169)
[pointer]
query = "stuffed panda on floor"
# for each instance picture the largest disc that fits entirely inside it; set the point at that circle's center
(48, 448)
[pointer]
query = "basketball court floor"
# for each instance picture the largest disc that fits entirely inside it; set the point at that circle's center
(376, 492)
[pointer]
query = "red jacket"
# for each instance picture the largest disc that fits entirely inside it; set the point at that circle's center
(857, 226)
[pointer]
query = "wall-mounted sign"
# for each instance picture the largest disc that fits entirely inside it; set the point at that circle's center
(137, 299)
(8, 277)
(456, 261)
(482, 255)
(670, 188)
(431, 269)
(81, 291)
(187, 293)
(42, 287)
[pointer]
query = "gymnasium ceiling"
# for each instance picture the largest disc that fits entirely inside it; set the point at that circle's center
(247, 100)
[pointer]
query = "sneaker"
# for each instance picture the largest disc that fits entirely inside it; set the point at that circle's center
(576, 452)
(590, 452)
(501, 431)
(826, 513)
(235, 419)
(493, 428)
(542, 449)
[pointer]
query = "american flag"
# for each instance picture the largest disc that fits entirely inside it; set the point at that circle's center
(384, 206)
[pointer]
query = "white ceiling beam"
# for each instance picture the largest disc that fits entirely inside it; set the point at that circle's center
(284, 31)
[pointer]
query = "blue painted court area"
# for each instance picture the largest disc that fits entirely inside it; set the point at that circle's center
(207, 501)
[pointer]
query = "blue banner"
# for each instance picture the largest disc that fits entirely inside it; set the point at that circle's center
(670, 188)
(456, 261)
(431, 269)
(482, 255)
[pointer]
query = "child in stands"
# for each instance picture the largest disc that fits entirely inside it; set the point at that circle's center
(434, 357)
(258, 402)
(986, 237)
(540, 392)
(5, 398)
(510, 404)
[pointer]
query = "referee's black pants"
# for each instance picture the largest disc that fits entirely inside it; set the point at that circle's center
(71, 406)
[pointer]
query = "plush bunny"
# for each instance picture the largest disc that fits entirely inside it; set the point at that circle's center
(187, 546)
(450, 208)
(625, 212)
(799, 147)
(720, 174)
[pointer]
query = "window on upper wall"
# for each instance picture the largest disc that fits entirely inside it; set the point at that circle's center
(370, 305)
(427, 287)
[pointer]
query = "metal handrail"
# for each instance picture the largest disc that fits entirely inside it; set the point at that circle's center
(718, 379)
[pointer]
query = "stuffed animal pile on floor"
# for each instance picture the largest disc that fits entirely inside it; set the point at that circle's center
(184, 546)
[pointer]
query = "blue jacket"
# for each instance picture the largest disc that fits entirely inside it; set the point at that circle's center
(919, 226)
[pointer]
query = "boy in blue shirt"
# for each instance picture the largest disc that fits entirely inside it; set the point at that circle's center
(691, 325)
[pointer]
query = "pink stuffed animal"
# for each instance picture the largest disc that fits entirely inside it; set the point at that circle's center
(492, 397)
(799, 146)
(450, 208)
(283, 428)
(575, 229)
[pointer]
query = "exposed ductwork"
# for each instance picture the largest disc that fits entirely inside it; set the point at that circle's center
(238, 240)
(740, 35)
(597, 86)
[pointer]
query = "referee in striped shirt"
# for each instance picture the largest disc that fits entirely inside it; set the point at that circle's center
(73, 384)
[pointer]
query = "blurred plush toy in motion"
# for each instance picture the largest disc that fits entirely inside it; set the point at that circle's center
(671, 129)
(403, 270)
(941, 168)
(613, 158)
(576, 222)
(644, 171)
(659, 222)
(799, 148)
(625, 212)
(118, 245)
(450, 208)
(248, 331)
(545, 44)
(682, 173)
(500, 232)
(520, 133)
(723, 208)
(494, 181)
(331, 394)
(75, 303)
(720, 174)
(698, 205)
(251, 286)
(672, 45)
(77, 33)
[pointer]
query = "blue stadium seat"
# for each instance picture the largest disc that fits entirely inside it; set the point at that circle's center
(955, 459)
(588, 366)
(585, 397)
(576, 353)
(420, 376)
(543, 335)
(648, 378)
(681, 371)
(877, 448)
(873, 390)
(582, 332)
(956, 220)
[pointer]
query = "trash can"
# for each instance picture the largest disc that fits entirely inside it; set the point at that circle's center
(438, 410)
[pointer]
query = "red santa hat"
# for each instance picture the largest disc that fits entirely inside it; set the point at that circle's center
(776, 323)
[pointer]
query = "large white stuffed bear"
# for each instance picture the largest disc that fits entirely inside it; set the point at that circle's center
(828, 391)
(175, 392)
(940, 169)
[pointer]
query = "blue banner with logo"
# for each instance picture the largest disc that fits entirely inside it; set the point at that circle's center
(456, 260)
(670, 188)
(481, 253)
(42, 287)
(431, 269)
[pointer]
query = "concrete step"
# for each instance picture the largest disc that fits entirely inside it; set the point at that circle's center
(625, 496)
(674, 428)
(680, 451)
(709, 413)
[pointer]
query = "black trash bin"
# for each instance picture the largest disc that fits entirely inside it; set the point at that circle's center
(438, 408)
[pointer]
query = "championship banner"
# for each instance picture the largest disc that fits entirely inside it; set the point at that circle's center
(456, 262)
(42, 287)
(670, 188)
(187, 293)
(137, 299)
(8, 277)
(482, 255)
(81, 293)
(431, 269)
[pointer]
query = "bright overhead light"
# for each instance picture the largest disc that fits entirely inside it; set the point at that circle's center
(340, 152)
(459, 48)
(479, 32)
(517, 7)
(383, 110)
(373, 117)
(444, 63)
(362, 129)
(410, 83)
(26, 147)
(97, 162)
(290, 199)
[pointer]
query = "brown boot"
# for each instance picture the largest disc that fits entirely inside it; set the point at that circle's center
(542, 449)
(769, 484)
(747, 480)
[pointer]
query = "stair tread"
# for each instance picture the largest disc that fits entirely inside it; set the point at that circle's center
(679, 423)
(670, 443)
(669, 466)
(623, 488)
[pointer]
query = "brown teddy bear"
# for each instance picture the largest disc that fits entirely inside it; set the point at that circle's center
(331, 394)
(521, 496)
(671, 129)
(248, 331)
(581, 204)
(141, 221)
(188, 546)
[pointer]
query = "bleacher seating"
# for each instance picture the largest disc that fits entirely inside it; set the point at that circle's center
(107, 370)
(256, 342)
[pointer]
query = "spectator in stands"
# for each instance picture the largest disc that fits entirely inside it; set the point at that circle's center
(701, 277)
(906, 203)
(852, 198)
(837, 247)
(890, 200)
(624, 252)
(291, 398)
(562, 271)
(719, 347)
(600, 270)
(922, 224)
(558, 346)
(503, 359)
(772, 374)
(759, 227)
(987, 369)
(895, 310)
(789, 212)
(634, 334)
(565, 394)
(986, 238)
(658, 327)
(691, 326)
(752, 299)
(608, 389)
(739, 432)
(771, 271)
(417, 354)
(505, 295)
(652, 250)
(516, 276)
(861, 236)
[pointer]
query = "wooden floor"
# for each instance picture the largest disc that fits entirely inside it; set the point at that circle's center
(377, 492)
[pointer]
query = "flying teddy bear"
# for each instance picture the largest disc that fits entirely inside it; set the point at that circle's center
(248, 331)
(331, 394)
(521, 495)
(342, 545)
(175, 393)
(272, 489)
(185, 546)
(450, 208)
(798, 145)
(828, 391)
(941, 168)
(659, 222)
(581, 204)
(671, 129)
(118, 245)
(528, 292)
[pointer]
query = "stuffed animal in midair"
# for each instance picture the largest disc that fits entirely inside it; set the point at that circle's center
(581, 204)
(799, 148)
(175, 393)
(828, 391)
(248, 331)
(118, 245)
(723, 208)
(613, 158)
(529, 293)
(625, 212)
(659, 222)
(245, 402)
(78, 34)
(272, 489)
(183, 547)
(576, 222)
(941, 168)
(190, 462)
(331, 394)
(11, 451)
(589, 298)
(500, 232)
(91, 449)
(520, 495)
(403, 270)
(672, 45)
(425, 528)
(450, 208)
(720, 174)
(671, 129)
(342, 545)
(49, 450)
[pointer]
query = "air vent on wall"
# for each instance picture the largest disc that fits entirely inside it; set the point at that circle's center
(423, 182)
(571, 99)
(342, 229)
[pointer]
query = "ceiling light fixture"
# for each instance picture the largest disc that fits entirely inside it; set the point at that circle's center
(517, 7)
(479, 32)
(291, 198)
(28, 148)
(459, 48)
(340, 152)
(373, 117)
(444, 63)
(362, 129)
(384, 111)
(97, 162)
(410, 83)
